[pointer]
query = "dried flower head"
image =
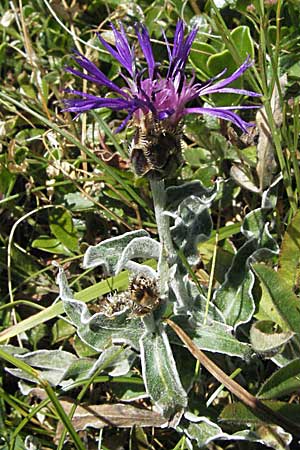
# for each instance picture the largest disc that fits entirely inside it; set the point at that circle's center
(144, 294)
(155, 103)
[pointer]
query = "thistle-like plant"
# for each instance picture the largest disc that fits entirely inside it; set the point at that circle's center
(156, 102)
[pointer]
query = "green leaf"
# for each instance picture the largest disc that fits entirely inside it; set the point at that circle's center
(200, 54)
(76, 201)
(242, 40)
(283, 382)
(51, 245)
(128, 392)
(241, 36)
(283, 299)
(238, 413)
(61, 330)
(290, 253)
(160, 374)
(267, 339)
(61, 225)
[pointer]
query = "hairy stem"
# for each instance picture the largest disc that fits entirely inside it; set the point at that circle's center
(168, 254)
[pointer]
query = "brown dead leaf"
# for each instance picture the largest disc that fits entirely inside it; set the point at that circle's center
(114, 415)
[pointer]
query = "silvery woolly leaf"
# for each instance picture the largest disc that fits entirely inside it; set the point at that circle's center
(266, 339)
(234, 297)
(203, 431)
(140, 247)
(183, 301)
(98, 330)
(160, 375)
(32, 443)
(108, 252)
(176, 194)
(200, 308)
(211, 336)
(200, 429)
(116, 360)
(52, 365)
(192, 225)
(141, 269)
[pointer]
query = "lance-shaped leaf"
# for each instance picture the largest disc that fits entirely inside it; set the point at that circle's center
(238, 413)
(192, 225)
(98, 330)
(266, 164)
(52, 364)
(107, 254)
(234, 298)
(283, 382)
(284, 301)
(160, 374)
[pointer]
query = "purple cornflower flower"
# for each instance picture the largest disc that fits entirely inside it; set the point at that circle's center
(155, 103)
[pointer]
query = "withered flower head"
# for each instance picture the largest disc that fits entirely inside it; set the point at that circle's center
(155, 103)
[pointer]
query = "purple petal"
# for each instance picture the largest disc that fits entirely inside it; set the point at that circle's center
(181, 48)
(124, 123)
(165, 114)
(123, 53)
(246, 64)
(221, 114)
(136, 104)
(144, 40)
(94, 74)
(178, 38)
(210, 81)
(214, 90)
(189, 42)
(93, 102)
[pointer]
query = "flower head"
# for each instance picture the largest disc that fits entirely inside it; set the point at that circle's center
(154, 102)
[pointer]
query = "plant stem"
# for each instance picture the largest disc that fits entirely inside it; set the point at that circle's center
(168, 254)
(162, 220)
